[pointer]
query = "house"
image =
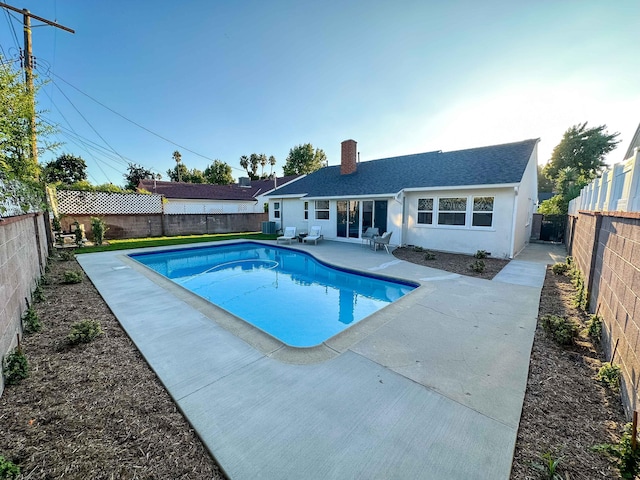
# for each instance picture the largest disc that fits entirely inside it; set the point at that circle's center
(461, 201)
(204, 198)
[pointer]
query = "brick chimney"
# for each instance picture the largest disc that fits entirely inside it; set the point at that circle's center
(348, 163)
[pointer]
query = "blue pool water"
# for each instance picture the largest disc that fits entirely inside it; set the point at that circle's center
(286, 293)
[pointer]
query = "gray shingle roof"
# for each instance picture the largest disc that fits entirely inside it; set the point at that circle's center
(498, 164)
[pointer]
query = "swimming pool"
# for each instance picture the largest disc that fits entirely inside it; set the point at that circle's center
(286, 293)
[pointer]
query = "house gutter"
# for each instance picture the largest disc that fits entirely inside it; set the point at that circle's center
(513, 223)
(461, 187)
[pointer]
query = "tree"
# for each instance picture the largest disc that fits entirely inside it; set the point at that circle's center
(582, 149)
(67, 169)
(303, 159)
(134, 174)
(16, 107)
(575, 161)
(544, 184)
(178, 158)
(218, 173)
(272, 163)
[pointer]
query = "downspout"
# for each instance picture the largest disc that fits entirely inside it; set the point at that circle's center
(513, 222)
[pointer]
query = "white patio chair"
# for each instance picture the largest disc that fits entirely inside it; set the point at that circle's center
(289, 234)
(369, 233)
(382, 240)
(314, 235)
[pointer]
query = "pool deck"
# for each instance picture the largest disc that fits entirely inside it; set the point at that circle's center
(430, 387)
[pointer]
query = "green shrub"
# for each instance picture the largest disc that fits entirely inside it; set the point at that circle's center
(627, 459)
(31, 321)
(72, 276)
(15, 368)
(481, 254)
(478, 266)
(562, 330)
(609, 374)
(429, 256)
(56, 225)
(84, 332)
(78, 233)
(66, 255)
(38, 294)
(99, 227)
(560, 268)
(8, 470)
(418, 249)
(594, 327)
(549, 467)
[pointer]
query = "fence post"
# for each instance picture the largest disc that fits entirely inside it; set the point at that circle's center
(594, 254)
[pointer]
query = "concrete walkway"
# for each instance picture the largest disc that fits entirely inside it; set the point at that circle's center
(429, 387)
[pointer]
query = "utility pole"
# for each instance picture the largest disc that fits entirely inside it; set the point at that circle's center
(28, 67)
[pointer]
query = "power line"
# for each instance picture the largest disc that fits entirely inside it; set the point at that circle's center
(15, 37)
(137, 124)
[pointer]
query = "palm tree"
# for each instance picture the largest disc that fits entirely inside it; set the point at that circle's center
(272, 162)
(178, 158)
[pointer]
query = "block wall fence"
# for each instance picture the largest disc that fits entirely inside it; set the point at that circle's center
(23, 257)
(606, 249)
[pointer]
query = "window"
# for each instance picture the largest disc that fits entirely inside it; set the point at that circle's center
(322, 209)
(452, 211)
(276, 209)
(482, 211)
(425, 211)
(306, 210)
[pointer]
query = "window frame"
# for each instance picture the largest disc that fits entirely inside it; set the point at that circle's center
(425, 211)
(453, 212)
(322, 212)
(276, 209)
(475, 212)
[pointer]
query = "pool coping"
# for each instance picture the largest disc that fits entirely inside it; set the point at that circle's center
(262, 341)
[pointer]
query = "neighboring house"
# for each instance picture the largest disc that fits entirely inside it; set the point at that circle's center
(203, 198)
(461, 201)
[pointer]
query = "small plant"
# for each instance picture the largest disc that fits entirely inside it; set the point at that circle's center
(8, 469)
(38, 294)
(56, 225)
(569, 261)
(15, 368)
(549, 467)
(72, 276)
(609, 374)
(429, 256)
(84, 332)
(99, 227)
(481, 254)
(560, 268)
(78, 233)
(478, 266)
(594, 327)
(67, 255)
(30, 321)
(562, 330)
(418, 249)
(627, 459)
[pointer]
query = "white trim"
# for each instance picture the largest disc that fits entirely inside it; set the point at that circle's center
(462, 187)
(353, 197)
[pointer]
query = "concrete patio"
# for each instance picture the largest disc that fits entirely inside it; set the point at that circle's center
(429, 387)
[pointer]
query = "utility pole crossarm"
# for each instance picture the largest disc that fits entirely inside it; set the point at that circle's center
(36, 17)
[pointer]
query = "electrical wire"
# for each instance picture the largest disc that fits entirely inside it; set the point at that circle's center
(15, 37)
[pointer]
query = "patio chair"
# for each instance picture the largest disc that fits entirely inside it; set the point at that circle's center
(369, 233)
(289, 234)
(382, 240)
(314, 235)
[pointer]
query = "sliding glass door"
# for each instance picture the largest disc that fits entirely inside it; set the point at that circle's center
(351, 224)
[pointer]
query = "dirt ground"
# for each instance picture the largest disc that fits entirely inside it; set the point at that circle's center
(98, 411)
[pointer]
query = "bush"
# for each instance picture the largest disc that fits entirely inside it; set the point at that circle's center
(38, 294)
(429, 256)
(481, 254)
(418, 249)
(562, 330)
(478, 266)
(8, 470)
(66, 255)
(30, 321)
(609, 374)
(594, 327)
(84, 332)
(99, 228)
(72, 276)
(560, 268)
(15, 368)
(627, 458)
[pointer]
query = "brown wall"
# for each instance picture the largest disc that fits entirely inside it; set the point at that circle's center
(606, 248)
(155, 225)
(23, 256)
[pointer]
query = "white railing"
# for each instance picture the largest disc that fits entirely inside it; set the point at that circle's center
(72, 202)
(616, 190)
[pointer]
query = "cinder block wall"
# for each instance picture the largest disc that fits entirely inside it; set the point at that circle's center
(614, 287)
(23, 255)
(119, 226)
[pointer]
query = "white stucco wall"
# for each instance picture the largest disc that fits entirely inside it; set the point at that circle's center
(525, 201)
(178, 206)
(463, 239)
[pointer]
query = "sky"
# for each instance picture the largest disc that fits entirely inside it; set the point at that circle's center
(221, 79)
